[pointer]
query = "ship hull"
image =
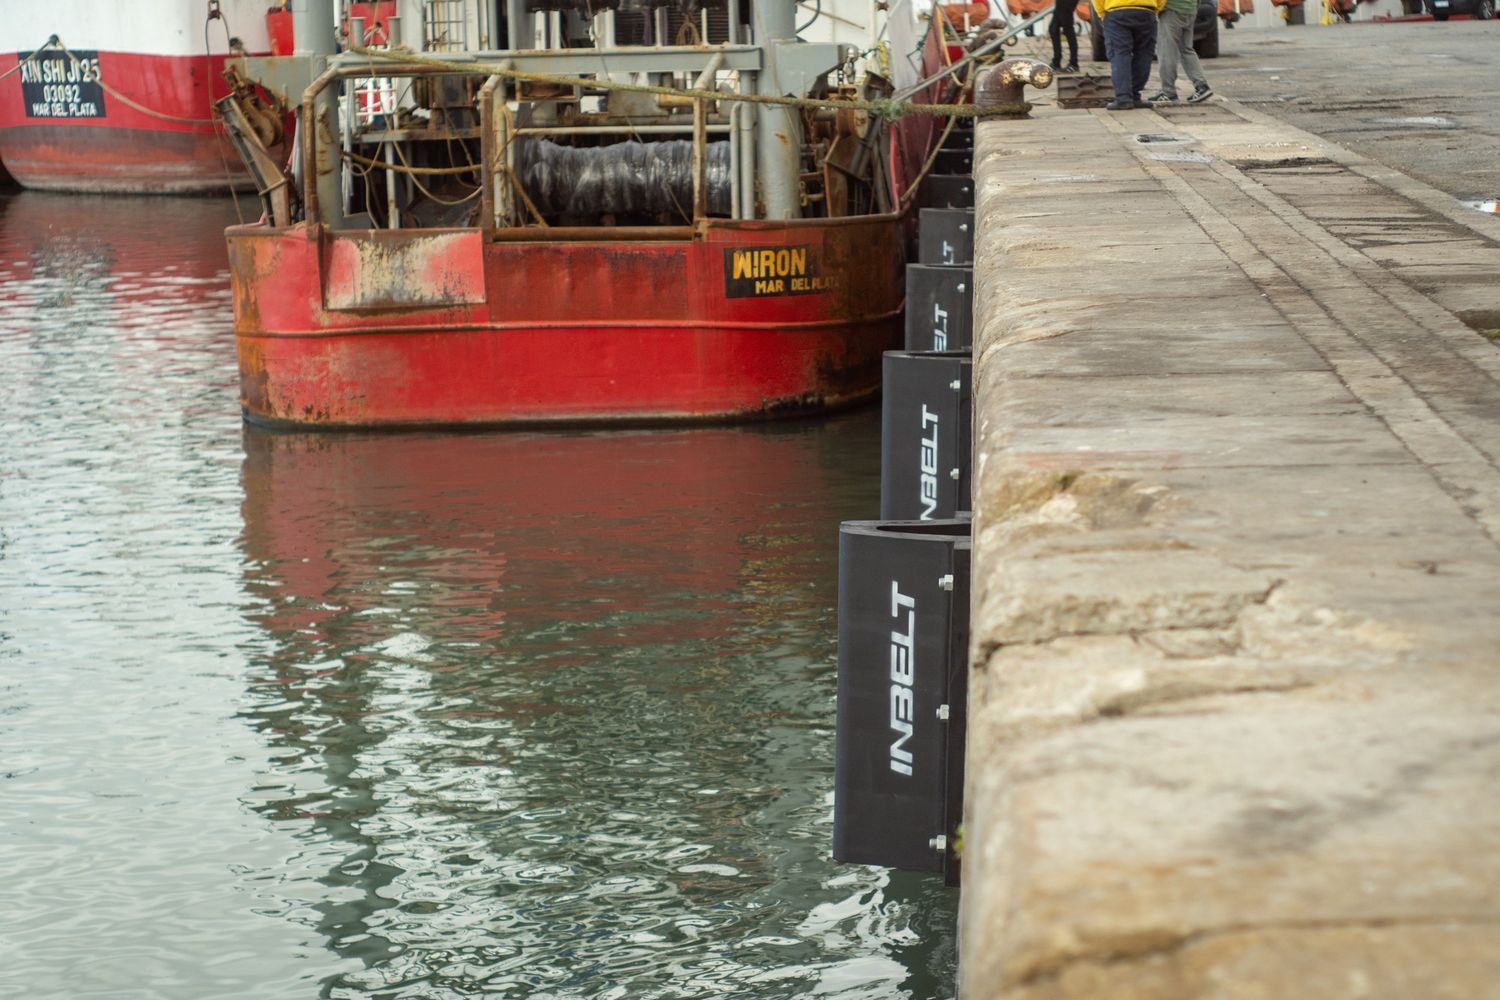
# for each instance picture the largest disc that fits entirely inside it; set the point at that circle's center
(128, 107)
(119, 160)
(733, 321)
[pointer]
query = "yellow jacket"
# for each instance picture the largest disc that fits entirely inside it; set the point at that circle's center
(1105, 6)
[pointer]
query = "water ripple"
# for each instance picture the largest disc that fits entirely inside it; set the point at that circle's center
(516, 715)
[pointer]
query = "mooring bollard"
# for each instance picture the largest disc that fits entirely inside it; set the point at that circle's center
(926, 435)
(902, 692)
(1002, 86)
(939, 307)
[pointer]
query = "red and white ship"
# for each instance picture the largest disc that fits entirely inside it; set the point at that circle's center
(103, 96)
(470, 235)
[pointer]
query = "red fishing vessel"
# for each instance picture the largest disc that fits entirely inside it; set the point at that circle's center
(119, 96)
(610, 220)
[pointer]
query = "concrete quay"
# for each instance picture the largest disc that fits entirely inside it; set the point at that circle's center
(1234, 719)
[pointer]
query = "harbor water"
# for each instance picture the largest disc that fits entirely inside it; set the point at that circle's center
(409, 715)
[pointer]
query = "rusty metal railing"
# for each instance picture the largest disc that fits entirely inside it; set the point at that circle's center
(494, 193)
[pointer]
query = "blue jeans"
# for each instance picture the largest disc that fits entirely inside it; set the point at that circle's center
(1130, 42)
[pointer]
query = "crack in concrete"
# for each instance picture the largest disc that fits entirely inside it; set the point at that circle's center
(1230, 608)
(1177, 692)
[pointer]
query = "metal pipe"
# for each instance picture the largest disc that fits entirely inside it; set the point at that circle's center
(734, 161)
(700, 160)
(313, 27)
(747, 151)
(522, 35)
(778, 139)
(707, 76)
(614, 129)
(487, 152)
(574, 62)
(347, 71)
(347, 124)
(311, 179)
(383, 68)
(392, 213)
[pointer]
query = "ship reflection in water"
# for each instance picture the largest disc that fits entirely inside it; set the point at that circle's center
(403, 716)
(554, 713)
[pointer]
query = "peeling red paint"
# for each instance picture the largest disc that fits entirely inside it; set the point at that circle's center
(404, 269)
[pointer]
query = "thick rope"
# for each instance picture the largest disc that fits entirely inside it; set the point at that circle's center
(937, 147)
(412, 173)
(38, 51)
(885, 109)
(402, 168)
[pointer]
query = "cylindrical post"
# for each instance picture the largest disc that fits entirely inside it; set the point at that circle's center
(746, 176)
(487, 153)
(700, 159)
(519, 25)
(313, 27)
(778, 139)
(320, 180)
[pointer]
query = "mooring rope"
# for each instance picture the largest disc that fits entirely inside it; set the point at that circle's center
(937, 147)
(401, 168)
(35, 52)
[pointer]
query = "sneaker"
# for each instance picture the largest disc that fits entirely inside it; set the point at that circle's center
(1200, 94)
(1119, 105)
(1147, 105)
(1071, 67)
(1162, 97)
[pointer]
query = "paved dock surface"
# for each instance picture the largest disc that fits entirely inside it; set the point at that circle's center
(1417, 96)
(1234, 719)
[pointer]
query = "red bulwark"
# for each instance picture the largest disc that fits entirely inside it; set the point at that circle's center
(738, 320)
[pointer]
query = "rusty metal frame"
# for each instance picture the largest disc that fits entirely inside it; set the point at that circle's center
(311, 208)
(700, 160)
(577, 62)
(270, 182)
(490, 126)
(494, 192)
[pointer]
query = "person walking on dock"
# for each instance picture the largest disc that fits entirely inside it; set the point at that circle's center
(1062, 24)
(1130, 42)
(1174, 39)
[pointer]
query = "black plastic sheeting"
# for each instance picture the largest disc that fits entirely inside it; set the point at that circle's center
(623, 178)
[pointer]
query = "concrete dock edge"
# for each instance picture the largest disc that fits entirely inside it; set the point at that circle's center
(1234, 726)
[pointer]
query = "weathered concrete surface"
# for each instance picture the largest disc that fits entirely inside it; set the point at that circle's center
(1234, 721)
(1401, 94)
